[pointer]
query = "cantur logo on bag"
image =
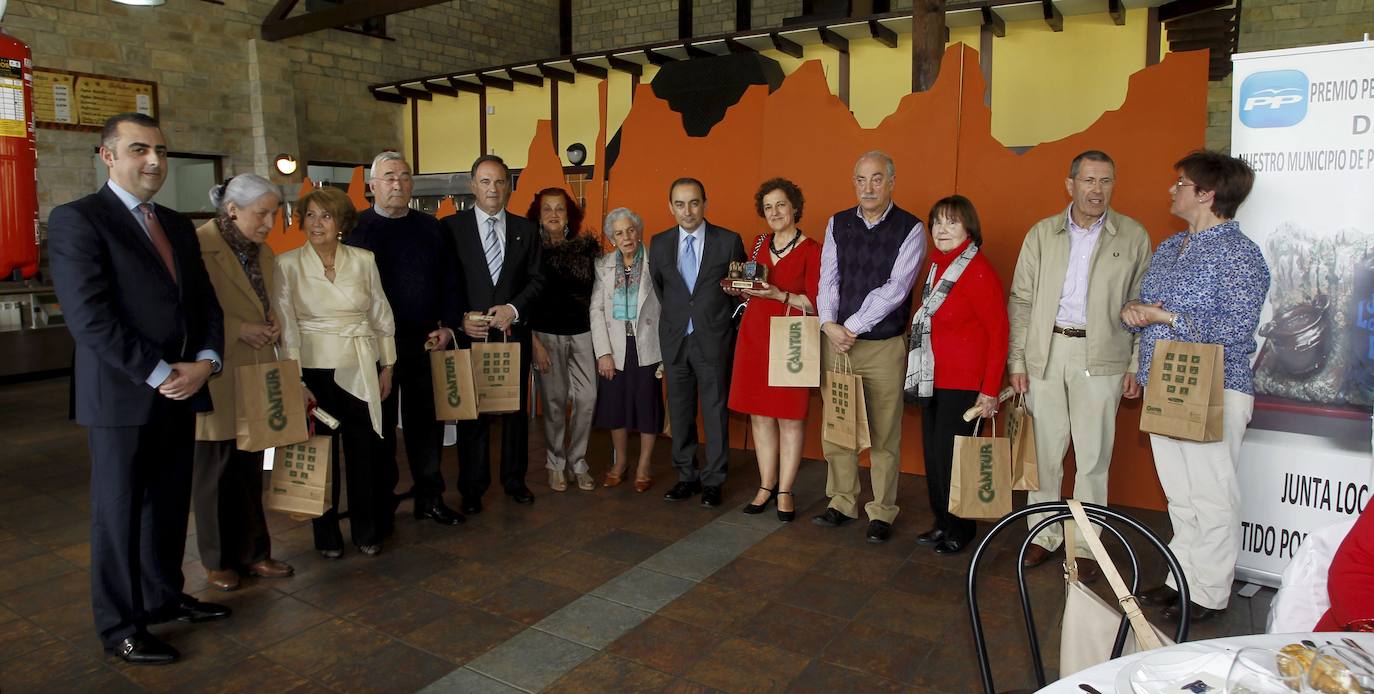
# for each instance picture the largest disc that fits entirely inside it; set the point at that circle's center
(794, 347)
(1273, 99)
(451, 382)
(276, 408)
(985, 490)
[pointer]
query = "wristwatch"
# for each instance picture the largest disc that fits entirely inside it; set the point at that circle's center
(1173, 322)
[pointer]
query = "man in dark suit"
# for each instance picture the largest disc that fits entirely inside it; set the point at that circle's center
(499, 255)
(697, 336)
(148, 333)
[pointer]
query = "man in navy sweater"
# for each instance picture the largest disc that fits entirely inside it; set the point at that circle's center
(420, 276)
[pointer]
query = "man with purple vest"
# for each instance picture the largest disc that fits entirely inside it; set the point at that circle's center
(868, 266)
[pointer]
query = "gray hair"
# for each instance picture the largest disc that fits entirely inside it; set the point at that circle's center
(616, 215)
(243, 190)
(389, 155)
(881, 156)
(1090, 155)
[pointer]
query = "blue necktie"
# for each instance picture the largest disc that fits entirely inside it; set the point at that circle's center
(492, 248)
(687, 265)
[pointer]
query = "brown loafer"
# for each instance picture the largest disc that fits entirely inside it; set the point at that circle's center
(270, 568)
(1035, 556)
(225, 580)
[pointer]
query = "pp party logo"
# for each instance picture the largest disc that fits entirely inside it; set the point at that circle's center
(1273, 99)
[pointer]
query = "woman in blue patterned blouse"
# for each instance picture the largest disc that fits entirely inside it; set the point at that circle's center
(1204, 285)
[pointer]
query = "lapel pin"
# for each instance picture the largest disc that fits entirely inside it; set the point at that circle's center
(1116, 254)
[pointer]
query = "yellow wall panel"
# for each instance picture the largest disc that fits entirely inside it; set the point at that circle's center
(1047, 85)
(511, 127)
(449, 131)
(579, 116)
(617, 102)
(878, 78)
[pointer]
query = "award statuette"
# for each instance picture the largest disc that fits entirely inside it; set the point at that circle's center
(747, 274)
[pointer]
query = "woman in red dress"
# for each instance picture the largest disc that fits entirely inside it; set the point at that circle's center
(777, 415)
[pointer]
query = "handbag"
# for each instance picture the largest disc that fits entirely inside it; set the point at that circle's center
(1090, 623)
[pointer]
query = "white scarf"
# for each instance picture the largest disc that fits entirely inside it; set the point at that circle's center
(919, 385)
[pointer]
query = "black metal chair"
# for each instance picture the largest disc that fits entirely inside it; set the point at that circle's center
(1097, 515)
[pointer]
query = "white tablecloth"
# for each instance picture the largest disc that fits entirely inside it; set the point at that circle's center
(1103, 676)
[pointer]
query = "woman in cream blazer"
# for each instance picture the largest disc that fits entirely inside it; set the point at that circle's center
(624, 317)
(336, 321)
(231, 528)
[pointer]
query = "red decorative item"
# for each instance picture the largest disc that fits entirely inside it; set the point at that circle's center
(18, 162)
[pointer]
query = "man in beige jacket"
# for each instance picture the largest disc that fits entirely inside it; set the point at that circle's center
(1069, 350)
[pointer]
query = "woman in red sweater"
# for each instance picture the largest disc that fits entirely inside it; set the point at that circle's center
(967, 332)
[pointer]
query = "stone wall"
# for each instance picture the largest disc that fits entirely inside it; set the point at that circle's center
(1273, 24)
(224, 91)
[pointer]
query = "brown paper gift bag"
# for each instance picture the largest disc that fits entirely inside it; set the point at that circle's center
(980, 477)
(1183, 399)
(1025, 470)
(496, 376)
(794, 350)
(269, 405)
(300, 478)
(455, 395)
(845, 417)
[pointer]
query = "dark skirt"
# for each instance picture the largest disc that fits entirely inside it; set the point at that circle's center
(633, 399)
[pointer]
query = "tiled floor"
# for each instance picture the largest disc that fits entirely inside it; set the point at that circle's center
(584, 591)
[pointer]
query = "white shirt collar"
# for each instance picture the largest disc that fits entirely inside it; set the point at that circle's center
(697, 232)
(384, 215)
(129, 199)
(1072, 225)
(482, 217)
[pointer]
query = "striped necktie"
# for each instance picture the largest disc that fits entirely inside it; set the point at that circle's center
(493, 250)
(159, 238)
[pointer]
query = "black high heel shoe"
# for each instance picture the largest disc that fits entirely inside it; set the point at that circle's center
(752, 509)
(787, 516)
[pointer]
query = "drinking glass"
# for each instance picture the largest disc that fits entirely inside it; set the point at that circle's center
(1340, 670)
(1264, 671)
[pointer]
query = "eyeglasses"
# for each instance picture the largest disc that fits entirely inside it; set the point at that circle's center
(1181, 184)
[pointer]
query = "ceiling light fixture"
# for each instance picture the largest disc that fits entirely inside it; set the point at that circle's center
(286, 164)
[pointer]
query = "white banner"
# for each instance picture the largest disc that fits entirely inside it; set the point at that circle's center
(1302, 119)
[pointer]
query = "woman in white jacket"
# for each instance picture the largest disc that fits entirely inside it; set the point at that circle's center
(624, 312)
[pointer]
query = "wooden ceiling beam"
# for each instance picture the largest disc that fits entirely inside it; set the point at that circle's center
(786, 46)
(882, 34)
(351, 12)
(994, 22)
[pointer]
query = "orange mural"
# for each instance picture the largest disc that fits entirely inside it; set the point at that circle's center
(941, 142)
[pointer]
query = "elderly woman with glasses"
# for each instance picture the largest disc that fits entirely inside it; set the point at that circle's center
(1206, 284)
(624, 317)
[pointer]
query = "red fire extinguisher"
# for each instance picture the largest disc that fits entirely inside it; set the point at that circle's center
(18, 162)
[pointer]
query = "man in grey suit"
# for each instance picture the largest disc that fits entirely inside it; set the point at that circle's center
(697, 336)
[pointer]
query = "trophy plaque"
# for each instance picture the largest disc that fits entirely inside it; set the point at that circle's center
(745, 274)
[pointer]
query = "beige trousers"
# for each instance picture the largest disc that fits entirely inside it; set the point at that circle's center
(1199, 481)
(882, 366)
(571, 380)
(1070, 404)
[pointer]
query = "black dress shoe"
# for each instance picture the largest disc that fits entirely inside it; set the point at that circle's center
(710, 496)
(934, 536)
(471, 507)
(879, 531)
(831, 518)
(438, 512)
(1196, 613)
(950, 546)
(752, 508)
(787, 516)
(145, 649)
(521, 495)
(1160, 595)
(682, 491)
(193, 611)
